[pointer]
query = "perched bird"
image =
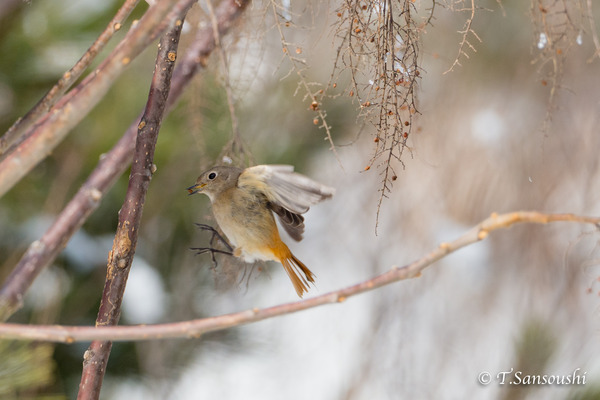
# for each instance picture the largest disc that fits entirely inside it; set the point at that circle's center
(243, 202)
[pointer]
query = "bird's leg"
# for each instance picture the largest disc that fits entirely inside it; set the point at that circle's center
(211, 249)
(216, 235)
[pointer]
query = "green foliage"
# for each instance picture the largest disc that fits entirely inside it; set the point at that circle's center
(535, 348)
(27, 371)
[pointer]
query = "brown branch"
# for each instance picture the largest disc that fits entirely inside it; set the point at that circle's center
(15, 132)
(196, 328)
(195, 58)
(9, 6)
(43, 251)
(130, 215)
(52, 128)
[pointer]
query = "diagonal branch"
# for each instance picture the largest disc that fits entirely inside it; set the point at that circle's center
(130, 215)
(43, 251)
(15, 132)
(196, 328)
(52, 128)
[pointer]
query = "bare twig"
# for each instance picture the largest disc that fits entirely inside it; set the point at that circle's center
(52, 128)
(196, 328)
(130, 215)
(225, 66)
(315, 97)
(558, 26)
(43, 251)
(466, 32)
(380, 49)
(594, 31)
(196, 56)
(15, 132)
(235, 148)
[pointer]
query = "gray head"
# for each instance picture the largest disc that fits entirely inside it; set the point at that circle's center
(216, 180)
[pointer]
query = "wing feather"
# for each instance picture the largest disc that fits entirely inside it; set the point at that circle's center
(286, 188)
(292, 223)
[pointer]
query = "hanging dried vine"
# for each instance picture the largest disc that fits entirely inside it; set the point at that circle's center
(379, 47)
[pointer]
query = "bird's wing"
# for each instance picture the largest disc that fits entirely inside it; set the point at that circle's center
(292, 223)
(286, 188)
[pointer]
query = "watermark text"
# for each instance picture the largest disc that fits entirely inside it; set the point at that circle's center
(512, 377)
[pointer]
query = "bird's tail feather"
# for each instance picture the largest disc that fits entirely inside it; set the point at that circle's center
(299, 274)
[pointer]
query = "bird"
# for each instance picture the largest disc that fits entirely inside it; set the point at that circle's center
(244, 203)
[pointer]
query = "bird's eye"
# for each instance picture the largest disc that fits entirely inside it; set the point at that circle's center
(212, 175)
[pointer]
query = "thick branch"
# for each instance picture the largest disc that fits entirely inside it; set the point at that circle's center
(130, 215)
(15, 133)
(198, 327)
(43, 251)
(44, 136)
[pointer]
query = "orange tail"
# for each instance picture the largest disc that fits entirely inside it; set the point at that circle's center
(299, 274)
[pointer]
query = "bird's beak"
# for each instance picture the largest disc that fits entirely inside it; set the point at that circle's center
(196, 188)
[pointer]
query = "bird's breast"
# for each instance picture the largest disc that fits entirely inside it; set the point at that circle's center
(245, 219)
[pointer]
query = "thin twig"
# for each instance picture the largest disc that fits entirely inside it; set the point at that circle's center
(558, 26)
(464, 43)
(130, 215)
(196, 328)
(380, 49)
(15, 132)
(225, 68)
(594, 31)
(299, 66)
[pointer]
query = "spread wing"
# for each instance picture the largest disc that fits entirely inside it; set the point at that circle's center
(292, 223)
(289, 193)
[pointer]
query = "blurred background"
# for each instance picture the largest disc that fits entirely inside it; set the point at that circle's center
(486, 141)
